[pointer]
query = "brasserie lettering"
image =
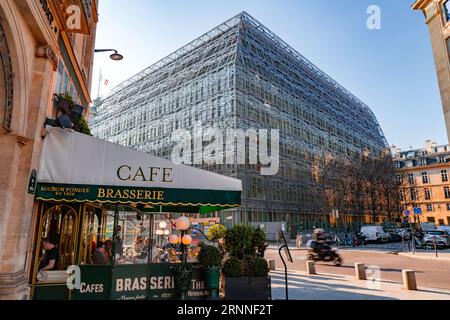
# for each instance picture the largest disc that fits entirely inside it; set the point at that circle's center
(150, 174)
(131, 194)
(155, 283)
(158, 283)
(129, 284)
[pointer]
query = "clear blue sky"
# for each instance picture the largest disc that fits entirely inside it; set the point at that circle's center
(392, 69)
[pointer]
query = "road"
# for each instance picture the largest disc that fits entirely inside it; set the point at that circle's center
(429, 273)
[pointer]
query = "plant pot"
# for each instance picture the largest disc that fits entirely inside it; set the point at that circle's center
(212, 281)
(245, 288)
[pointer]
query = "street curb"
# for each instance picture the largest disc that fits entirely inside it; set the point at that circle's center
(410, 255)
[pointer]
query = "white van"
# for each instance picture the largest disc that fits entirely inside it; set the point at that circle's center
(375, 233)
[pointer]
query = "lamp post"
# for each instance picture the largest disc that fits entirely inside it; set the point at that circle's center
(184, 273)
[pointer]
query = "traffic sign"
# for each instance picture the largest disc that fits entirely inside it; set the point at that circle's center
(417, 210)
(407, 213)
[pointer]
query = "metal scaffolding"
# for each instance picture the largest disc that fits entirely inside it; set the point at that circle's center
(241, 75)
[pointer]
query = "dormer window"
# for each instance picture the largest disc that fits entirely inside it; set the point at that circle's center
(397, 165)
(423, 162)
(441, 159)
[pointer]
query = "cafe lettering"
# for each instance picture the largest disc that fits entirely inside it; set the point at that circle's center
(150, 174)
(102, 206)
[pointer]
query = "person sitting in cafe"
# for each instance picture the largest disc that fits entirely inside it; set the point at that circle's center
(138, 245)
(118, 242)
(99, 256)
(51, 256)
(109, 249)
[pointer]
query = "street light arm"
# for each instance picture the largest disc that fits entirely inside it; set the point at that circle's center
(105, 50)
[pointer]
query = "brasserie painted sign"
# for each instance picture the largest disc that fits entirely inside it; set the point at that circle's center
(135, 282)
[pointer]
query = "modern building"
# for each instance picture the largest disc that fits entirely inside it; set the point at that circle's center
(423, 177)
(41, 54)
(437, 17)
(241, 75)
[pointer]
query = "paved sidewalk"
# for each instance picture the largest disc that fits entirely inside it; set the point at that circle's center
(339, 287)
(427, 255)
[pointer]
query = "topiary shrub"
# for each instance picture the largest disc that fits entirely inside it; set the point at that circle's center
(245, 245)
(245, 241)
(233, 268)
(210, 256)
(256, 267)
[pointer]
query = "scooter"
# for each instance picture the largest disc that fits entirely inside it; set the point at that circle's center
(323, 252)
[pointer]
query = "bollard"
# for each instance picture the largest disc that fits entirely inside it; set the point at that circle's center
(360, 271)
(271, 264)
(310, 267)
(409, 280)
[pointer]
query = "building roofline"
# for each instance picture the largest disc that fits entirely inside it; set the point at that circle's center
(223, 27)
(419, 4)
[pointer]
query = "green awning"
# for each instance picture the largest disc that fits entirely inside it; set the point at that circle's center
(79, 168)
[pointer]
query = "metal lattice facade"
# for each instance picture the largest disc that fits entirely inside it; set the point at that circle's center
(241, 75)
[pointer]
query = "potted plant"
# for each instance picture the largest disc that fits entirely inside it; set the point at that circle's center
(246, 271)
(210, 259)
(66, 105)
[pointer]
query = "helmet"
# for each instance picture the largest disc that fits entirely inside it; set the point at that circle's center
(319, 230)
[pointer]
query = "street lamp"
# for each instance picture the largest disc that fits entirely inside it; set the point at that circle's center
(115, 56)
(184, 272)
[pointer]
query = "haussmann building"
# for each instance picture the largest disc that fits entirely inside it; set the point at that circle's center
(241, 75)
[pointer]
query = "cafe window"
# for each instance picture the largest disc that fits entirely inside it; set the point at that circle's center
(95, 242)
(55, 247)
(131, 241)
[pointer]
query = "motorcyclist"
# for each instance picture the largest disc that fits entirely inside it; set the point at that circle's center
(320, 241)
(322, 249)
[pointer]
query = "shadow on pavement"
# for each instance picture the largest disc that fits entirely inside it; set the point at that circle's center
(308, 289)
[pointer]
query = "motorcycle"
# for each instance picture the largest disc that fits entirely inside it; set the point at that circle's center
(323, 252)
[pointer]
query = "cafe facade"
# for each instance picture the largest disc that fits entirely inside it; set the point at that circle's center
(40, 55)
(90, 192)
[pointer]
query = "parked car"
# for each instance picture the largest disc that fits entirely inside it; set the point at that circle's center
(426, 226)
(394, 235)
(375, 233)
(440, 236)
(444, 228)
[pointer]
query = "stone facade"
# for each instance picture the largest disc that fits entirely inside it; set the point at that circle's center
(437, 15)
(424, 179)
(35, 46)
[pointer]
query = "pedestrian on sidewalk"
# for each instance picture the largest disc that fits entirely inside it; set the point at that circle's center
(299, 240)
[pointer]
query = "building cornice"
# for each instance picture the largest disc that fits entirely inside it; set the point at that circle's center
(425, 167)
(420, 4)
